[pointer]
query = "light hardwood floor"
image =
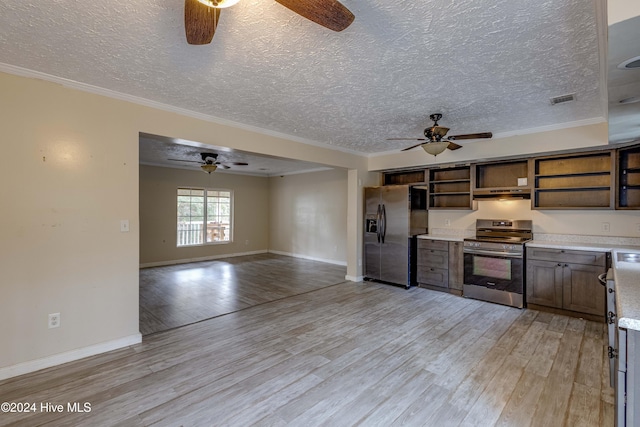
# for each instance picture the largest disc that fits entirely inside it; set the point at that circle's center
(178, 295)
(350, 354)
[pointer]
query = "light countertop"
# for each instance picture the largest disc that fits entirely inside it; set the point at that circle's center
(627, 278)
(441, 237)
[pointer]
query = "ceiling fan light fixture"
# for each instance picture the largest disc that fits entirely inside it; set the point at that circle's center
(219, 4)
(208, 168)
(436, 147)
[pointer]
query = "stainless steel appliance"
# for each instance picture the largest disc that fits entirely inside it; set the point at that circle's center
(494, 268)
(394, 215)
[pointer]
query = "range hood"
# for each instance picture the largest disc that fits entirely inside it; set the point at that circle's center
(502, 193)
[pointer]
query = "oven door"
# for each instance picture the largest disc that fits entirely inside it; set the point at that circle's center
(494, 270)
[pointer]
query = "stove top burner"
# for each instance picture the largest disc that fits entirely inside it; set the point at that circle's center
(502, 231)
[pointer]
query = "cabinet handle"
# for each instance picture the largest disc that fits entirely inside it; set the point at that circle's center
(566, 265)
(559, 265)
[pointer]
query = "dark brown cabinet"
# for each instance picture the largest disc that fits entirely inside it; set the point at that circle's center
(404, 177)
(544, 283)
(506, 178)
(628, 179)
(566, 279)
(574, 181)
(450, 188)
(456, 266)
(433, 263)
(439, 264)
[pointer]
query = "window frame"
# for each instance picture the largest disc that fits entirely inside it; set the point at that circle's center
(204, 225)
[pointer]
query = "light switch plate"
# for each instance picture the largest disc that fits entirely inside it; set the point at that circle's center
(522, 182)
(124, 226)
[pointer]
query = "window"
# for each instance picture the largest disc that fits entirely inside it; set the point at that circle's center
(204, 216)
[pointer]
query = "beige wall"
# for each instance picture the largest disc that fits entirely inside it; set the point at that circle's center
(308, 215)
(158, 214)
(70, 174)
(620, 10)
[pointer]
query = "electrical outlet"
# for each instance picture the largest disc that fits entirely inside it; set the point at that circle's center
(638, 228)
(606, 227)
(54, 320)
(124, 226)
(447, 223)
(246, 242)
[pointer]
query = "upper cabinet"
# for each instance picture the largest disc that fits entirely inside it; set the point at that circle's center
(574, 181)
(502, 179)
(450, 188)
(603, 179)
(628, 179)
(404, 177)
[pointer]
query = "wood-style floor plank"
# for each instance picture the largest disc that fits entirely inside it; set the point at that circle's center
(346, 354)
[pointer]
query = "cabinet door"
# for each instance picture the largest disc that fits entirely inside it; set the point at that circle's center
(583, 292)
(544, 283)
(456, 265)
(433, 258)
(432, 276)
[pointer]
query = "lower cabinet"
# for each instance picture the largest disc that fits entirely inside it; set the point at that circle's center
(439, 264)
(566, 279)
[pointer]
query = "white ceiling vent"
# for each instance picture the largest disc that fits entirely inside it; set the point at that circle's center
(564, 98)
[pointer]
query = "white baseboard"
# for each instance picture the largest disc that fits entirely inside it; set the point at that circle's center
(354, 278)
(205, 258)
(68, 356)
(328, 261)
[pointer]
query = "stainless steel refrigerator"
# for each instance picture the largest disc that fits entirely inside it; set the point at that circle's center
(394, 215)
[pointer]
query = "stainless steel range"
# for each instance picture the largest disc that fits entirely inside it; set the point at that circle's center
(494, 268)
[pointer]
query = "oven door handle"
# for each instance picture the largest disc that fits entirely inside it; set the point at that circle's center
(492, 253)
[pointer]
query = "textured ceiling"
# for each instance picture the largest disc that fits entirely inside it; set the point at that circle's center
(168, 152)
(487, 65)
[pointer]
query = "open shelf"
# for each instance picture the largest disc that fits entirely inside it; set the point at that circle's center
(628, 179)
(501, 175)
(575, 181)
(404, 177)
(450, 188)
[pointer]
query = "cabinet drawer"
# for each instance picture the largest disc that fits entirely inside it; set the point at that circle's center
(433, 276)
(433, 258)
(568, 256)
(439, 245)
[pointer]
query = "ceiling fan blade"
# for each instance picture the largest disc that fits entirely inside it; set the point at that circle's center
(180, 160)
(413, 146)
(330, 14)
(472, 135)
(240, 164)
(406, 139)
(200, 22)
(453, 146)
(224, 166)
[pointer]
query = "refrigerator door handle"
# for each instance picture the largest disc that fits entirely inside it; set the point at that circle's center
(378, 222)
(384, 223)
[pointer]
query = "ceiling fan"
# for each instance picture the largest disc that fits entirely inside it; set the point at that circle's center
(201, 17)
(209, 162)
(433, 136)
